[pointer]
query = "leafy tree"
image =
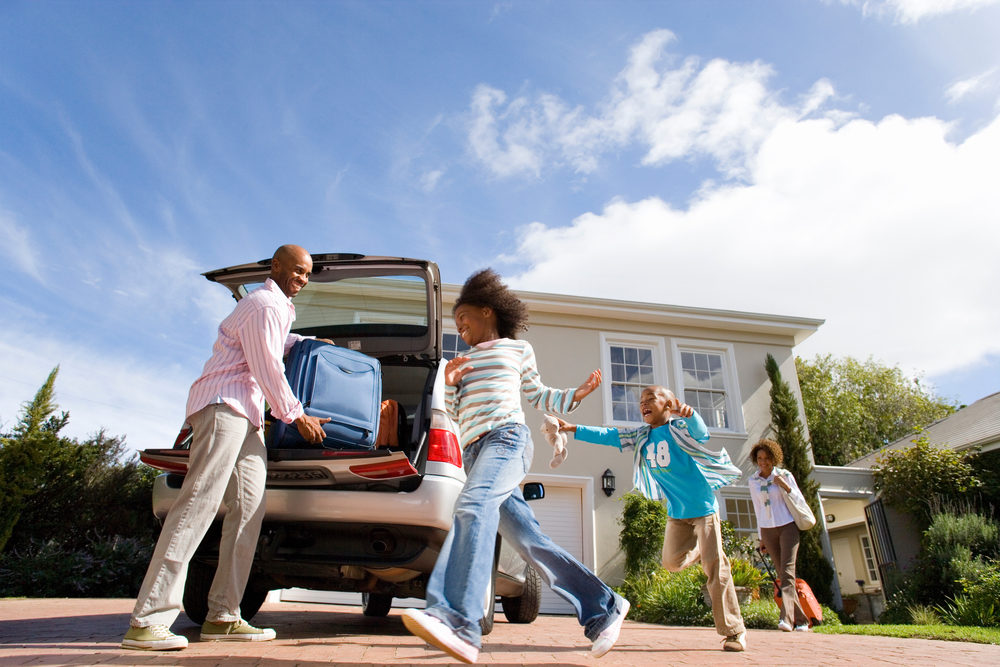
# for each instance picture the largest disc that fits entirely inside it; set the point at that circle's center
(811, 564)
(918, 479)
(853, 408)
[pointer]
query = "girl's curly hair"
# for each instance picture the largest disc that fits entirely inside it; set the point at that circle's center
(771, 447)
(485, 289)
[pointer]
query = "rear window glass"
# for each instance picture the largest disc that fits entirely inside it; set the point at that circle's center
(361, 306)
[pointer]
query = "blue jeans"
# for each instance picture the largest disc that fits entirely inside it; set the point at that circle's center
(491, 500)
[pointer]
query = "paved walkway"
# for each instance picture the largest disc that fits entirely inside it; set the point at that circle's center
(87, 632)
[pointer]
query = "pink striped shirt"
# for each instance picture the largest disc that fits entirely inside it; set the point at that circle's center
(246, 359)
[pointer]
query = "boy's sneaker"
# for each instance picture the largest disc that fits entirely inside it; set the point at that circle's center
(802, 628)
(234, 631)
(436, 633)
(153, 638)
(609, 635)
(784, 626)
(737, 642)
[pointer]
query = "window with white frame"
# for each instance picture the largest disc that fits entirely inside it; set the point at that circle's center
(739, 512)
(630, 363)
(866, 549)
(452, 345)
(706, 380)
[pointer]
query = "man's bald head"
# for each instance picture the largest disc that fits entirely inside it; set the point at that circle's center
(291, 266)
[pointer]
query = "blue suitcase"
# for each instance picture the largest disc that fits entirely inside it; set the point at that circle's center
(333, 382)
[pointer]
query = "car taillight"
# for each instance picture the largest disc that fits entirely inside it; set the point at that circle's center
(390, 470)
(443, 446)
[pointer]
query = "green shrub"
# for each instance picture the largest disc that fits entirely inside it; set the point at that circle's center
(922, 614)
(830, 617)
(979, 604)
(668, 598)
(746, 574)
(954, 548)
(643, 522)
(760, 614)
(105, 567)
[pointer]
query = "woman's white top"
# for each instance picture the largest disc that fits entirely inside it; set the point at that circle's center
(768, 502)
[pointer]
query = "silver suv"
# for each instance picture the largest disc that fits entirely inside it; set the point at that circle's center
(369, 522)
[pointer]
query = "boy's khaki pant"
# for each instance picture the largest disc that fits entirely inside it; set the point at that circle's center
(687, 541)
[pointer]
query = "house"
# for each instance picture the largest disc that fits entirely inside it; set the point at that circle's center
(897, 538)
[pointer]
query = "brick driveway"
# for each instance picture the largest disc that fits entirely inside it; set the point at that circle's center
(87, 632)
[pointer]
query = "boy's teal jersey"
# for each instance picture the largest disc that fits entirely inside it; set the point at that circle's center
(671, 464)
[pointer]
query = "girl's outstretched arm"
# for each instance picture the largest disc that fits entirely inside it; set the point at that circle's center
(592, 382)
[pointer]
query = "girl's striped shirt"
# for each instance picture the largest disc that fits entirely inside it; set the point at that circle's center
(489, 395)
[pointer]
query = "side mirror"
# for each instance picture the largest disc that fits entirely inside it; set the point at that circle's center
(534, 491)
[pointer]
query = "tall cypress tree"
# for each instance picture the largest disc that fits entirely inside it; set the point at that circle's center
(811, 564)
(23, 454)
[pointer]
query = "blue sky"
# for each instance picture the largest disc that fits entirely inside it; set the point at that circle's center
(830, 159)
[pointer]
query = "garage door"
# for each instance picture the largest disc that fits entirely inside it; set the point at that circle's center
(560, 514)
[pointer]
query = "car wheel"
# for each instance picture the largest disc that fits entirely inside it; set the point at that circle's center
(490, 600)
(376, 604)
(197, 585)
(524, 609)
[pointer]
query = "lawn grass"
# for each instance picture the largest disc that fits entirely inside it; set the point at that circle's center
(946, 632)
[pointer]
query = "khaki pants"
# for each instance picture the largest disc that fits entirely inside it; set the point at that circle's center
(687, 541)
(227, 466)
(782, 544)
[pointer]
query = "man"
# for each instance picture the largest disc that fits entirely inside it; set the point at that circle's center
(227, 462)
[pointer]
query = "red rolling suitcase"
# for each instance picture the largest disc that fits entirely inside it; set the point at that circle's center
(808, 601)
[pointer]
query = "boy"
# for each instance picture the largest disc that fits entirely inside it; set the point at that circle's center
(671, 464)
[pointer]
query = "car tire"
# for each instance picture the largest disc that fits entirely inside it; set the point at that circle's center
(197, 585)
(524, 608)
(376, 604)
(490, 599)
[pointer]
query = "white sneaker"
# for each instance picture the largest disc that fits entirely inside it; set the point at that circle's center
(609, 635)
(784, 626)
(735, 642)
(802, 628)
(436, 633)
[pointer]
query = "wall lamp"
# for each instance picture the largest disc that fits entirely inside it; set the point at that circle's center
(608, 482)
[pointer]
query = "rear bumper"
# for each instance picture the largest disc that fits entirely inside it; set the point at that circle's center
(430, 505)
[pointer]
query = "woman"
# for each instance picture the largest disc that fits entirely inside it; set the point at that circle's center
(779, 536)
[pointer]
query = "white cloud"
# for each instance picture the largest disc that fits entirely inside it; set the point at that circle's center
(973, 85)
(17, 247)
(126, 396)
(672, 111)
(912, 11)
(886, 229)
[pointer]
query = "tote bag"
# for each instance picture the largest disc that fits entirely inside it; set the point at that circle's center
(797, 505)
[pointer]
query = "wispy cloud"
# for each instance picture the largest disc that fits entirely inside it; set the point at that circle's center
(719, 109)
(913, 11)
(986, 81)
(17, 246)
(128, 396)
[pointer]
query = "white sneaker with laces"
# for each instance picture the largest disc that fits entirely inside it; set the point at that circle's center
(784, 626)
(802, 628)
(436, 633)
(609, 635)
